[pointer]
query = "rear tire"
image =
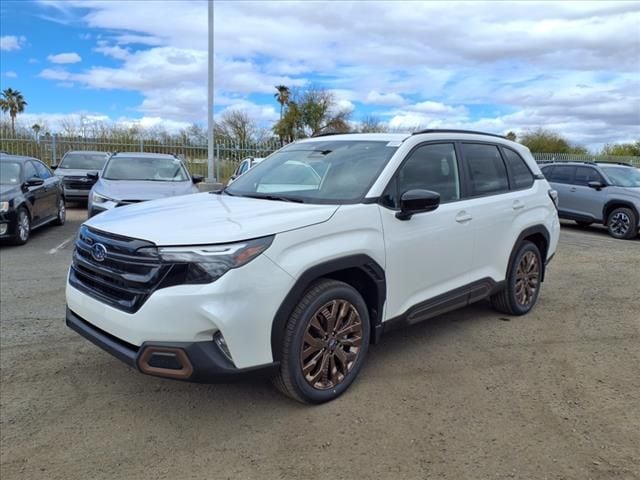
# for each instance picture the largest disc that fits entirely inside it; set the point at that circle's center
(61, 216)
(325, 343)
(23, 227)
(622, 223)
(523, 282)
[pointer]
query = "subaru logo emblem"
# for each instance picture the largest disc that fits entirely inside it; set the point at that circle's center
(98, 252)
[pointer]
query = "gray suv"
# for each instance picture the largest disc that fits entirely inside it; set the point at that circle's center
(73, 170)
(606, 193)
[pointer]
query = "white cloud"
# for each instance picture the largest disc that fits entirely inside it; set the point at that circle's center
(513, 65)
(11, 74)
(10, 43)
(65, 58)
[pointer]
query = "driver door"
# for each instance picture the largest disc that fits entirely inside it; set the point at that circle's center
(431, 253)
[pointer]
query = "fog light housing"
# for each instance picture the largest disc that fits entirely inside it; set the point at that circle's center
(3, 228)
(222, 345)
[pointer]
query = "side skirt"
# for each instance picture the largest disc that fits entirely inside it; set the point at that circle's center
(458, 298)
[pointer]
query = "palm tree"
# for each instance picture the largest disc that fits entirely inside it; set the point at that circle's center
(282, 97)
(36, 129)
(13, 102)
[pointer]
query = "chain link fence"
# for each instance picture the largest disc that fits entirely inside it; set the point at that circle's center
(51, 148)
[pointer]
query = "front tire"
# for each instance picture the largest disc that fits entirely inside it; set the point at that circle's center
(523, 282)
(622, 223)
(23, 227)
(325, 343)
(61, 216)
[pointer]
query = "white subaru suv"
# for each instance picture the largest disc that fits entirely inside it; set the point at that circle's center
(312, 255)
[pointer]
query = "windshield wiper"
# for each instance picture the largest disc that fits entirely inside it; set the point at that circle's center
(275, 197)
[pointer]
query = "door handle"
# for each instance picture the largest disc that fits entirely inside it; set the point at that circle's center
(463, 217)
(572, 189)
(518, 205)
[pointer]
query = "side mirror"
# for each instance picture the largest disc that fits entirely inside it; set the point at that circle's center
(197, 178)
(596, 185)
(93, 176)
(34, 182)
(54, 166)
(417, 201)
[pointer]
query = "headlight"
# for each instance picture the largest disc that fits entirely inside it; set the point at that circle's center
(4, 207)
(207, 263)
(97, 198)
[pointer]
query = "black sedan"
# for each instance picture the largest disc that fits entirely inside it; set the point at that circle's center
(30, 196)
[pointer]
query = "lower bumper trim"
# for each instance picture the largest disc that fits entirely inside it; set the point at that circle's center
(202, 362)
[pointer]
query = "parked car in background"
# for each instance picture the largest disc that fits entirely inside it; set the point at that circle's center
(245, 166)
(604, 193)
(136, 177)
(292, 273)
(73, 170)
(30, 196)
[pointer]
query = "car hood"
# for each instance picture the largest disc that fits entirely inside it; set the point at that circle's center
(207, 218)
(8, 191)
(142, 190)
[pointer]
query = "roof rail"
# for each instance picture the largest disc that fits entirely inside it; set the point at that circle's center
(615, 163)
(446, 130)
(326, 134)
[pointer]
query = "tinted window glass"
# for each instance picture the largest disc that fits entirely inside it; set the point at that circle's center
(584, 175)
(29, 171)
(430, 167)
(520, 173)
(487, 173)
(84, 161)
(561, 174)
(43, 172)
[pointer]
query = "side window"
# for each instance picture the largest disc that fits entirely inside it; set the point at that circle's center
(429, 167)
(584, 175)
(561, 174)
(486, 170)
(29, 170)
(520, 173)
(243, 167)
(43, 171)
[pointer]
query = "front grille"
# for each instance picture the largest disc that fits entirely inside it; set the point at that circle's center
(125, 278)
(78, 183)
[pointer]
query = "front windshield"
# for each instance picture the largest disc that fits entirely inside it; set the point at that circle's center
(332, 171)
(83, 161)
(9, 173)
(141, 168)
(623, 177)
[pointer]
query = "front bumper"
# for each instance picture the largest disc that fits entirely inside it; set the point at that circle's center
(8, 223)
(201, 362)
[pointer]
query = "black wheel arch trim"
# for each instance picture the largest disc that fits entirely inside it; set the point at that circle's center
(362, 262)
(527, 232)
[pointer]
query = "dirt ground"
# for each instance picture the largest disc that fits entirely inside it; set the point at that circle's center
(469, 395)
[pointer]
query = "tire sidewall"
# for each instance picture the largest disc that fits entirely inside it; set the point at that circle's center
(304, 390)
(526, 247)
(19, 240)
(633, 223)
(61, 208)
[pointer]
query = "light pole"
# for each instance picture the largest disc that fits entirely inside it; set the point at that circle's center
(211, 160)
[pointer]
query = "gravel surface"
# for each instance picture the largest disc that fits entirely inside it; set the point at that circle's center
(469, 395)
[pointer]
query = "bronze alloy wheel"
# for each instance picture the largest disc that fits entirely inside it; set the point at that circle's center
(527, 278)
(332, 341)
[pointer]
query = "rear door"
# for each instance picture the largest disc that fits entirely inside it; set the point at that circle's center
(561, 179)
(36, 194)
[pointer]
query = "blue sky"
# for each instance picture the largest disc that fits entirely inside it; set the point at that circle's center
(567, 66)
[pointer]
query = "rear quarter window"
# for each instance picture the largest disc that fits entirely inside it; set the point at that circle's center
(521, 176)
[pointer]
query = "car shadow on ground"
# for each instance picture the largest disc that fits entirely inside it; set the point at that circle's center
(594, 229)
